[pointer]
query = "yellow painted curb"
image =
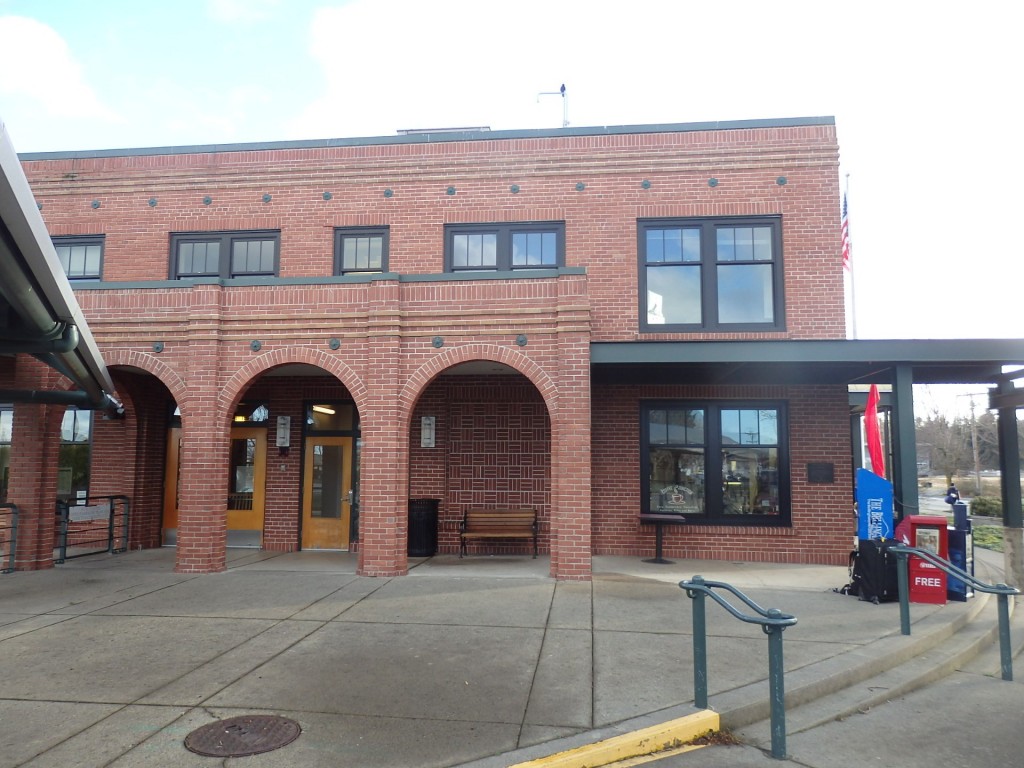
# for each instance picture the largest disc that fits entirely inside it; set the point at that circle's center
(642, 742)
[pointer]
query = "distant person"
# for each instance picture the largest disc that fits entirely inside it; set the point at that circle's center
(952, 495)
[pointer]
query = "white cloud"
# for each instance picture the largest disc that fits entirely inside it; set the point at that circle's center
(37, 66)
(241, 11)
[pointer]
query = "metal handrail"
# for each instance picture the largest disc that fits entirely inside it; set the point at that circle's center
(12, 539)
(1002, 591)
(115, 538)
(772, 621)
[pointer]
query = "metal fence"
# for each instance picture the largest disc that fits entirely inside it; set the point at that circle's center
(98, 525)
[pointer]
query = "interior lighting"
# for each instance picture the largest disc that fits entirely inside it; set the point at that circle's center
(323, 409)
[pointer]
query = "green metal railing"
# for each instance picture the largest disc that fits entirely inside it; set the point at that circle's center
(772, 621)
(98, 525)
(1002, 591)
(8, 536)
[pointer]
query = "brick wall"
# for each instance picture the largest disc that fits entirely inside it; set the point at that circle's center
(387, 357)
(823, 523)
(600, 219)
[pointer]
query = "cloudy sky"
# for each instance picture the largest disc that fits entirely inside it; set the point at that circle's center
(926, 97)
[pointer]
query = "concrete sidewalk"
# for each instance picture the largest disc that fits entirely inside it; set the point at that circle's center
(484, 661)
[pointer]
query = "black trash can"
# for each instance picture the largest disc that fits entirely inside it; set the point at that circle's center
(423, 527)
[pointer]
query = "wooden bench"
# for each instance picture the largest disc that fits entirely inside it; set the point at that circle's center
(498, 524)
(659, 521)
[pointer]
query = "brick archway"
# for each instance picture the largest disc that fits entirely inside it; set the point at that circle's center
(244, 376)
(420, 379)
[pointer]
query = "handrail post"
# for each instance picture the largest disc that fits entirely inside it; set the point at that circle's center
(110, 525)
(903, 581)
(700, 648)
(62, 547)
(1005, 652)
(776, 686)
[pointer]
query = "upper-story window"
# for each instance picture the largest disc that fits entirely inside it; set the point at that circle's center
(360, 249)
(224, 254)
(499, 247)
(721, 274)
(81, 257)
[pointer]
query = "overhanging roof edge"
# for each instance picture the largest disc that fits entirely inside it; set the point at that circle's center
(31, 238)
(882, 351)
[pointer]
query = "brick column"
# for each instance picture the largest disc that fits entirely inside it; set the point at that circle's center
(570, 437)
(205, 442)
(35, 450)
(384, 461)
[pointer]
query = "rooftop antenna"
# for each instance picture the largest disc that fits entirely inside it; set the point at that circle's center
(565, 103)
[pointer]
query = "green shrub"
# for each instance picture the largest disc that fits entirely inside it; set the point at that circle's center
(989, 537)
(986, 506)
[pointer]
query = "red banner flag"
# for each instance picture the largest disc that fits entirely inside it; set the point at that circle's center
(873, 434)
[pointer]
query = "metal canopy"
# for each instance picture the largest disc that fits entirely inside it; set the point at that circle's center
(38, 311)
(933, 361)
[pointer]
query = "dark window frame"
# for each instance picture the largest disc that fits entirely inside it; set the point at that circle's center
(70, 451)
(504, 232)
(6, 443)
(708, 264)
(341, 234)
(71, 241)
(226, 240)
(714, 478)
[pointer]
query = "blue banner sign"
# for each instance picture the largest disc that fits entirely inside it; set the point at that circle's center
(874, 506)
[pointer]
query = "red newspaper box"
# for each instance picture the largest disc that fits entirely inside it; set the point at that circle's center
(927, 582)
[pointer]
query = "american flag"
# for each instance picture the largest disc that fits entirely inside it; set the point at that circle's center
(846, 236)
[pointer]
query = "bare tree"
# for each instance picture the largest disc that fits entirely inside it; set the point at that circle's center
(949, 443)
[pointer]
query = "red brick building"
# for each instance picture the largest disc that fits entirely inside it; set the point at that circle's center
(596, 323)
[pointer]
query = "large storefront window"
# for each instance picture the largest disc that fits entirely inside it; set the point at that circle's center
(717, 462)
(75, 450)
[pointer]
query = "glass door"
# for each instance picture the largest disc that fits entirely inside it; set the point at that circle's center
(246, 485)
(327, 494)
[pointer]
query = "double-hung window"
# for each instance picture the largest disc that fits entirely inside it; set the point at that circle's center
(504, 247)
(224, 254)
(81, 257)
(715, 462)
(360, 250)
(721, 274)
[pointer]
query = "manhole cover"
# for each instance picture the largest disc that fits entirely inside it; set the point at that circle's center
(244, 735)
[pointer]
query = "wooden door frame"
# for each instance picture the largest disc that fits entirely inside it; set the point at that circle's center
(348, 445)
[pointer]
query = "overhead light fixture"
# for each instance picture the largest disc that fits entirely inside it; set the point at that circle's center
(323, 409)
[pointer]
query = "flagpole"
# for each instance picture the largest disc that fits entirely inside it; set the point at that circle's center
(849, 260)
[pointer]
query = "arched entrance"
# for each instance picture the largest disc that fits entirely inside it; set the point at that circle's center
(481, 437)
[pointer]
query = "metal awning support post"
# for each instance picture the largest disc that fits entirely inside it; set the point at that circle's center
(904, 471)
(1009, 471)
